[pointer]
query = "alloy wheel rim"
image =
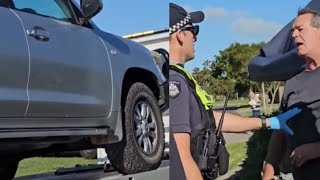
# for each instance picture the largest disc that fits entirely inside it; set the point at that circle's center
(145, 127)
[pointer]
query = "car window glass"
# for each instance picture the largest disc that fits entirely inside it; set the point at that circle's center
(3, 3)
(52, 8)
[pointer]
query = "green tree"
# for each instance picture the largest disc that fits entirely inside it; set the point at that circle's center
(229, 70)
(232, 64)
(271, 88)
(207, 73)
(203, 77)
(195, 73)
(221, 86)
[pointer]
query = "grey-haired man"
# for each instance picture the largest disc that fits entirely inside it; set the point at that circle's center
(301, 90)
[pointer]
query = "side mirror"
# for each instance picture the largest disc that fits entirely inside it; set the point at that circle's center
(90, 8)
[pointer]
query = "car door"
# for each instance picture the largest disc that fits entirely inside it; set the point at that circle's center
(70, 70)
(14, 68)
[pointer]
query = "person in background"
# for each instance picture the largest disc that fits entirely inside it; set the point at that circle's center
(255, 104)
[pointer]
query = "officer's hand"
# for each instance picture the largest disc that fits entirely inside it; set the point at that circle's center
(280, 121)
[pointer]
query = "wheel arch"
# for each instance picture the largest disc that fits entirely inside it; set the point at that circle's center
(146, 77)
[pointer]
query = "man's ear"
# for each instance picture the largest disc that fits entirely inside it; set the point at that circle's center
(180, 37)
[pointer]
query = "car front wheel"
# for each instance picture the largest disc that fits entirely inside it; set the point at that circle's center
(142, 146)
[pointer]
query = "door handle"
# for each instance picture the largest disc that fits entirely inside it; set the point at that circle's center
(39, 33)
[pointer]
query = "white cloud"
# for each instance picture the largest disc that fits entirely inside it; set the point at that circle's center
(240, 13)
(248, 26)
(243, 24)
(215, 12)
(209, 11)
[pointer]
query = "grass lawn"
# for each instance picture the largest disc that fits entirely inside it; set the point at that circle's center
(39, 165)
(232, 102)
(237, 153)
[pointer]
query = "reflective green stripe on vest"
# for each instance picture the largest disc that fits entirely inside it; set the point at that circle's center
(206, 99)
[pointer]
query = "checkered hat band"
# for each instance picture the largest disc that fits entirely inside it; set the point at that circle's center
(180, 24)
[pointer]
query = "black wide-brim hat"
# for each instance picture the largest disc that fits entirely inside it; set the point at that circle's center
(179, 17)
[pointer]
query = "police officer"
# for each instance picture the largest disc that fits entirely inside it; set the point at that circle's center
(191, 117)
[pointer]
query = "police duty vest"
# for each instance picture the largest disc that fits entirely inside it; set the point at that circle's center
(198, 133)
(205, 99)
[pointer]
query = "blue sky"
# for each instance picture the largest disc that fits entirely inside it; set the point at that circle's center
(244, 21)
(124, 17)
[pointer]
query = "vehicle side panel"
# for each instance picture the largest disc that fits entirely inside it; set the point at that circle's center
(14, 58)
(70, 73)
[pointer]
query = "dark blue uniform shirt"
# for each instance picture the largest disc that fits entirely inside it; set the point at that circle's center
(184, 115)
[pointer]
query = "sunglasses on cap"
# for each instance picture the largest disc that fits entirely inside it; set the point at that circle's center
(193, 29)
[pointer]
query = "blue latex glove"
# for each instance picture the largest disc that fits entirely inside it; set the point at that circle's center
(280, 121)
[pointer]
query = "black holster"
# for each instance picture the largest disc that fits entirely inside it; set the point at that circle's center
(223, 158)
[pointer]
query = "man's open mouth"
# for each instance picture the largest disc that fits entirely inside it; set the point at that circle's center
(298, 44)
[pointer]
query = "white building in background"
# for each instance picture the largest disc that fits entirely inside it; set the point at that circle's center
(151, 39)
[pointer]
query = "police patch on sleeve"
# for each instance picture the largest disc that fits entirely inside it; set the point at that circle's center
(174, 89)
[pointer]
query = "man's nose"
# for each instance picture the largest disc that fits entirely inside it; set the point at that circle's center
(294, 33)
